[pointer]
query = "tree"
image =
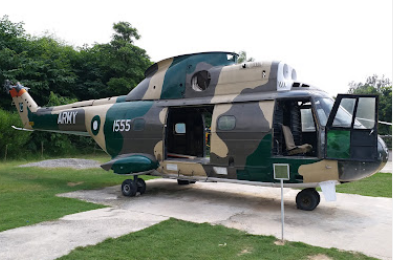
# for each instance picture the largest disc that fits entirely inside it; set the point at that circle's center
(57, 73)
(125, 32)
(373, 81)
(243, 57)
(123, 63)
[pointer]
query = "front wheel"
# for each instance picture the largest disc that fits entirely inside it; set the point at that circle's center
(307, 199)
(128, 188)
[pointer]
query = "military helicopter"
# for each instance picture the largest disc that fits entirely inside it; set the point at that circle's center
(262, 124)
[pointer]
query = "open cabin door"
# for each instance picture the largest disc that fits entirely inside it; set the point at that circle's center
(351, 129)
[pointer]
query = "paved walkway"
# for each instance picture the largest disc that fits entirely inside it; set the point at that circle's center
(354, 222)
(388, 167)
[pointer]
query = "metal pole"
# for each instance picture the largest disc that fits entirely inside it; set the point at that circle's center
(282, 211)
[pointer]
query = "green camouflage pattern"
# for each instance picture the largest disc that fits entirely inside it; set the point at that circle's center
(138, 130)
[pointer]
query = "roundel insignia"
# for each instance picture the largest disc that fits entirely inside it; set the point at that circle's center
(95, 125)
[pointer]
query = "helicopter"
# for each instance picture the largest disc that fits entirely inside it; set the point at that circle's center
(262, 126)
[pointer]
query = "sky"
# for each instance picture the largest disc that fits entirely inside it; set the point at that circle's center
(329, 43)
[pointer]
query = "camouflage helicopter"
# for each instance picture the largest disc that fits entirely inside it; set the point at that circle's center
(261, 123)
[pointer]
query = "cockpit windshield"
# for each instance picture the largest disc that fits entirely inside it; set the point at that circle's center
(343, 117)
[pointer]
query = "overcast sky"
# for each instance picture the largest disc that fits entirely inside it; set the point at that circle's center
(329, 43)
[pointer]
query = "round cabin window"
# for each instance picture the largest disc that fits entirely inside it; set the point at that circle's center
(201, 80)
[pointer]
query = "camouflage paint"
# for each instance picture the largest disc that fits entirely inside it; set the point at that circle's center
(247, 91)
(259, 165)
(43, 120)
(134, 164)
(175, 79)
(125, 110)
(338, 144)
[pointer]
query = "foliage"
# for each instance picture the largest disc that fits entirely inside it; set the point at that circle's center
(243, 57)
(45, 65)
(59, 74)
(11, 140)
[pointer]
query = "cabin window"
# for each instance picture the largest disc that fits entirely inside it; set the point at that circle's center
(307, 120)
(201, 80)
(139, 124)
(231, 57)
(187, 132)
(180, 128)
(226, 123)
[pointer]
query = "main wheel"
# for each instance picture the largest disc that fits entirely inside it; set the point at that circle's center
(183, 182)
(318, 196)
(141, 186)
(128, 188)
(307, 199)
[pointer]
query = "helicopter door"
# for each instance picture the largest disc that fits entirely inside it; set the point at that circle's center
(351, 129)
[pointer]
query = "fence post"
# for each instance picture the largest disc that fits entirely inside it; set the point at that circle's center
(42, 150)
(5, 155)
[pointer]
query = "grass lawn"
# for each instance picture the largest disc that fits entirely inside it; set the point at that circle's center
(27, 195)
(176, 239)
(378, 185)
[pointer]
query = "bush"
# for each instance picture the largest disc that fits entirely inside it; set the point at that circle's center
(12, 141)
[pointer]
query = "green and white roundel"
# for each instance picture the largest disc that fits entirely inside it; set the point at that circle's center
(95, 125)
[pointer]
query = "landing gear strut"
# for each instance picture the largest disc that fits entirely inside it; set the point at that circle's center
(130, 187)
(308, 199)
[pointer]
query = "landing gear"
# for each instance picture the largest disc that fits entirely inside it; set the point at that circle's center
(129, 188)
(308, 199)
(185, 182)
(141, 186)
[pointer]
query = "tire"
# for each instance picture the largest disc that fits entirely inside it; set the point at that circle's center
(307, 199)
(318, 196)
(141, 186)
(183, 182)
(128, 188)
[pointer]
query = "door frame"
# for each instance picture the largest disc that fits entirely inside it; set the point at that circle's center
(351, 134)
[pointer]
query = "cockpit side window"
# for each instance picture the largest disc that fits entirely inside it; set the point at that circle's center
(344, 114)
(365, 113)
(343, 118)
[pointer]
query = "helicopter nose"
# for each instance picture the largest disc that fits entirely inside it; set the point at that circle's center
(383, 151)
(356, 170)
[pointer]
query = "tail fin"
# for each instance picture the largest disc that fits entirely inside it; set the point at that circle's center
(22, 100)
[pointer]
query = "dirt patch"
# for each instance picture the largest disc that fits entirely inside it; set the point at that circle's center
(73, 184)
(319, 257)
(245, 251)
(279, 243)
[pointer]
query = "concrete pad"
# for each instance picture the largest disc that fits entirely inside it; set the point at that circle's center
(53, 239)
(353, 223)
